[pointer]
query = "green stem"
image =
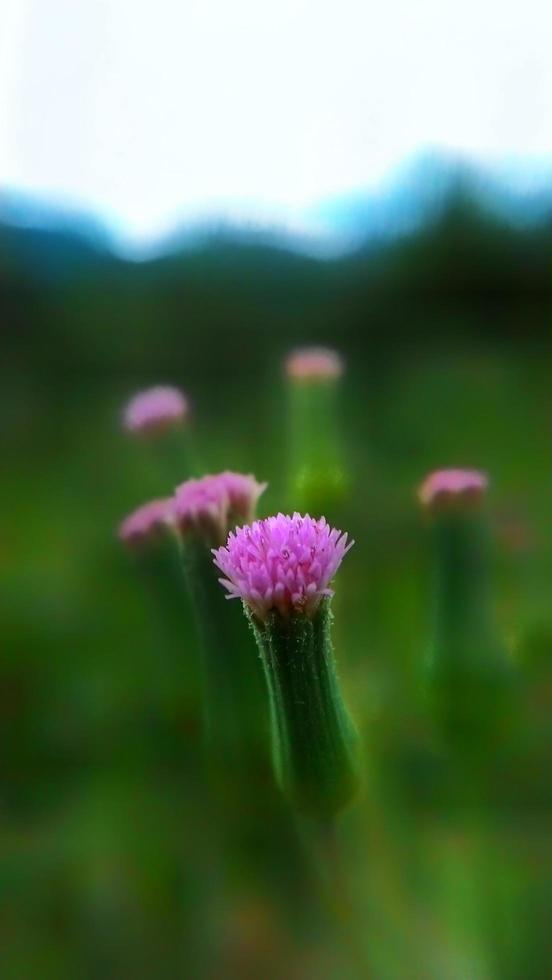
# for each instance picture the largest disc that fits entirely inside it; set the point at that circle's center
(469, 676)
(336, 892)
(314, 743)
(317, 478)
(174, 456)
(232, 682)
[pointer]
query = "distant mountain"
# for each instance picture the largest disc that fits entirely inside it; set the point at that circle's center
(517, 192)
(53, 241)
(57, 241)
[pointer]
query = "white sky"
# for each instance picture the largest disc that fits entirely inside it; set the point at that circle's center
(147, 111)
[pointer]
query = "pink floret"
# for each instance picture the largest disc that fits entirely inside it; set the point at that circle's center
(282, 563)
(147, 522)
(445, 487)
(155, 409)
(314, 364)
(213, 502)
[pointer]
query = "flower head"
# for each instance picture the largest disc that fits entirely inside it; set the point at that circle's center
(243, 492)
(444, 489)
(155, 410)
(314, 364)
(283, 563)
(212, 503)
(147, 522)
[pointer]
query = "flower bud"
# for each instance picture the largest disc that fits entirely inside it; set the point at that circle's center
(282, 568)
(212, 505)
(147, 524)
(155, 410)
(468, 671)
(204, 512)
(318, 481)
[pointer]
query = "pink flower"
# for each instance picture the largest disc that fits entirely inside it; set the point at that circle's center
(155, 410)
(446, 488)
(283, 563)
(213, 503)
(314, 364)
(147, 522)
(243, 494)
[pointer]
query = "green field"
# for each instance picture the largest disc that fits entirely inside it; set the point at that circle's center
(116, 859)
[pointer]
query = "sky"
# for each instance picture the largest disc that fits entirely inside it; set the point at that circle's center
(151, 111)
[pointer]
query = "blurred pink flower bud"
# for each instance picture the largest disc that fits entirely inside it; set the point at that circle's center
(147, 523)
(444, 489)
(155, 410)
(213, 503)
(314, 364)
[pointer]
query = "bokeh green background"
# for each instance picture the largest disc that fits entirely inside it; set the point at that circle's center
(110, 866)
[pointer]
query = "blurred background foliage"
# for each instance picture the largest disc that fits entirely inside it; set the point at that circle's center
(113, 863)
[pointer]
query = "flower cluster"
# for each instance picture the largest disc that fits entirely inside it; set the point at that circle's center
(446, 488)
(314, 364)
(214, 503)
(155, 410)
(283, 563)
(147, 522)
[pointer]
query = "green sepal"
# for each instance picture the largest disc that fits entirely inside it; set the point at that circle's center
(314, 742)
